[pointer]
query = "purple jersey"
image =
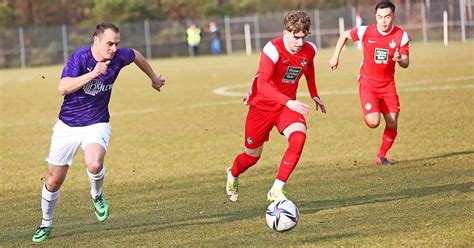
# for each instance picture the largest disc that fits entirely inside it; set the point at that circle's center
(90, 104)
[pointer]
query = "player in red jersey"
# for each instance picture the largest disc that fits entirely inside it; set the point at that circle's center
(384, 46)
(272, 101)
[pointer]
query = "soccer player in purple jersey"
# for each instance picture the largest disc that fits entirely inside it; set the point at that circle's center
(86, 84)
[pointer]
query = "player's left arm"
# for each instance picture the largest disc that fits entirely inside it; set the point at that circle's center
(403, 60)
(401, 55)
(313, 91)
(156, 80)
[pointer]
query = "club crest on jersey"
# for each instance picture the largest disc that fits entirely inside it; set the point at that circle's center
(368, 106)
(392, 44)
(96, 86)
(291, 74)
(303, 62)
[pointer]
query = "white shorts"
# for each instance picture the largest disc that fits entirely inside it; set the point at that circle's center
(66, 140)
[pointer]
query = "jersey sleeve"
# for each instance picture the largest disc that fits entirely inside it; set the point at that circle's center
(310, 76)
(358, 33)
(404, 44)
(73, 66)
(127, 56)
(266, 68)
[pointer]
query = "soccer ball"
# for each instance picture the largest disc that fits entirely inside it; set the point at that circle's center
(282, 215)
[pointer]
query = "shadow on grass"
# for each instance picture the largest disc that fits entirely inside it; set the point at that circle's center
(447, 155)
(318, 205)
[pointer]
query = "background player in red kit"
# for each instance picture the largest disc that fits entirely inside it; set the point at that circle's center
(272, 101)
(384, 45)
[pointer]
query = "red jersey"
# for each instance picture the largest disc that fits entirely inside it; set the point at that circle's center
(278, 75)
(378, 67)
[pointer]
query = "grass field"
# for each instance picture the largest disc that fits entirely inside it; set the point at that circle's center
(169, 151)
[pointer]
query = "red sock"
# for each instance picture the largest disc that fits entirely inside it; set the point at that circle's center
(388, 138)
(292, 155)
(242, 162)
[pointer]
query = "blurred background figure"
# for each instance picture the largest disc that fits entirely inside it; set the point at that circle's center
(193, 34)
(359, 21)
(215, 38)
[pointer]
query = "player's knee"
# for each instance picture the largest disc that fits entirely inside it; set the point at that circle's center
(94, 167)
(392, 124)
(53, 184)
(296, 141)
(372, 123)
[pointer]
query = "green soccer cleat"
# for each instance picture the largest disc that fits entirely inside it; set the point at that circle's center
(276, 194)
(41, 234)
(101, 208)
(232, 187)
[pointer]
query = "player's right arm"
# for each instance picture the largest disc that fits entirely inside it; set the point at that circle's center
(69, 85)
(334, 61)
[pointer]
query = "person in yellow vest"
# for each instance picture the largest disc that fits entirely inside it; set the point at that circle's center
(193, 34)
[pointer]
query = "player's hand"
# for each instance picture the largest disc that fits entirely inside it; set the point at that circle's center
(297, 106)
(333, 63)
(158, 83)
(320, 104)
(101, 68)
(397, 56)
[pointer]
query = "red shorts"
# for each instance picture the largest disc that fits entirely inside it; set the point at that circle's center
(379, 99)
(259, 124)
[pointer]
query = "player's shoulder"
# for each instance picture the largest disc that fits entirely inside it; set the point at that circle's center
(81, 54)
(310, 48)
(125, 55)
(372, 29)
(272, 48)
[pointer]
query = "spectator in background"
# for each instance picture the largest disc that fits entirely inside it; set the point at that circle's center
(215, 38)
(193, 34)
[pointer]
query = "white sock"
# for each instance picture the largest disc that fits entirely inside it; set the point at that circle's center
(96, 182)
(230, 177)
(278, 184)
(48, 204)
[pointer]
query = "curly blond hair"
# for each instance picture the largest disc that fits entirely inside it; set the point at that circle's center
(297, 21)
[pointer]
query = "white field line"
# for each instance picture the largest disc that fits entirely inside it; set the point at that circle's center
(225, 92)
(401, 87)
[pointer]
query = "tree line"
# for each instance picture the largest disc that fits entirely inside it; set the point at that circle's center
(14, 13)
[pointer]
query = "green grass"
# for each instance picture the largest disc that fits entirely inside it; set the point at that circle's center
(169, 151)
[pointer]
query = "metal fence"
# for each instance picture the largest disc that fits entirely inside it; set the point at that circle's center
(33, 46)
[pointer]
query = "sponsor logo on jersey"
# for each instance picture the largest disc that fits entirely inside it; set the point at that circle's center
(96, 86)
(381, 56)
(291, 74)
(392, 44)
(368, 106)
(372, 41)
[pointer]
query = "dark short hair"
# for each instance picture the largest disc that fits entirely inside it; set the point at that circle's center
(296, 21)
(384, 5)
(100, 28)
